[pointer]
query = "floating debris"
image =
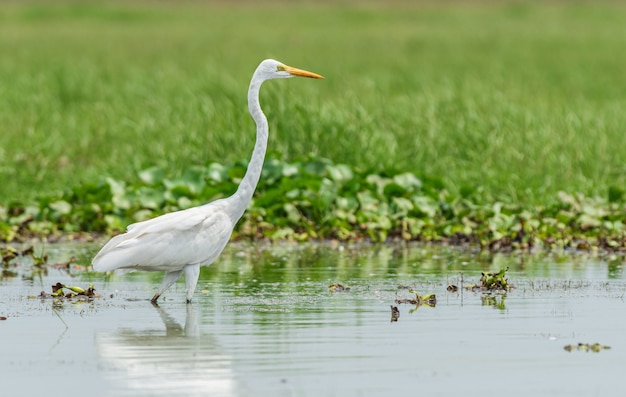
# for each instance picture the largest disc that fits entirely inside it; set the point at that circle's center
(492, 282)
(338, 288)
(2, 318)
(587, 347)
(395, 313)
(58, 291)
(452, 288)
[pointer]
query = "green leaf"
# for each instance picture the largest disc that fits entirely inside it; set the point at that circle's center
(616, 194)
(340, 173)
(149, 198)
(62, 207)
(216, 172)
(152, 175)
(408, 181)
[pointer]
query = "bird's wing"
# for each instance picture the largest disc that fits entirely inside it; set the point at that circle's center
(169, 242)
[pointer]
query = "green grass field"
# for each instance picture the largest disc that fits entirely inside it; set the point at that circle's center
(518, 99)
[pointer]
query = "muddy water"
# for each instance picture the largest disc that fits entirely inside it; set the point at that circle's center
(264, 323)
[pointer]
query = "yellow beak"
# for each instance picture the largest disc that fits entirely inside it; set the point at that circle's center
(302, 73)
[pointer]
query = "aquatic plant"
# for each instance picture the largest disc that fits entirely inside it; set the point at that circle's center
(586, 347)
(315, 198)
(492, 282)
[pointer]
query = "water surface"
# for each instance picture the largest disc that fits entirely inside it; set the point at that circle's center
(264, 323)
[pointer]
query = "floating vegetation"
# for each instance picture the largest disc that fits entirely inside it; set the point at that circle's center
(586, 347)
(338, 288)
(492, 282)
(64, 291)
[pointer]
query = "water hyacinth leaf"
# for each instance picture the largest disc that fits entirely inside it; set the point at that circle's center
(316, 166)
(588, 221)
(289, 170)
(402, 204)
(152, 175)
(327, 192)
(393, 189)
(142, 215)
(149, 198)
(594, 210)
(425, 205)
(408, 181)
(341, 214)
(292, 194)
(272, 171)
(185, 202)
(293, 215)
(339, 173)
(117, 187)
(119, 194)
(568, 199)
(193, 178)
(283, 233)
(61, 207)
(216, 172)
(379, 182)
(178, 191)
(347, 203)
(367, 201)
(115, 222)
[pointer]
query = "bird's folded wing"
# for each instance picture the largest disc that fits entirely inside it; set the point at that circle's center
(196, 235)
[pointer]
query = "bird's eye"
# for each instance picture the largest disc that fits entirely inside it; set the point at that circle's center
(281, 68)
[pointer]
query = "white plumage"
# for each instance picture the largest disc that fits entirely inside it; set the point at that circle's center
(182, 241)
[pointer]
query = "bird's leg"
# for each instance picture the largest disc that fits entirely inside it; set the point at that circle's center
(192, 272)
(170, 278)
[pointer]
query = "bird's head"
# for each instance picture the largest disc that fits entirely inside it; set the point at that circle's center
(272, 69)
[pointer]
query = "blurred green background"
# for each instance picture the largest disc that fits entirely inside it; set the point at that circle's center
(517, 99)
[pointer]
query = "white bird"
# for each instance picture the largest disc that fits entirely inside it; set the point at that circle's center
(182, 241)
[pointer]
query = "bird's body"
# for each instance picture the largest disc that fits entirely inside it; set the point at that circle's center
(167, 236)
(183, 241)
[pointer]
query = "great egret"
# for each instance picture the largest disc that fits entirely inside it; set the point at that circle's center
(182, 241)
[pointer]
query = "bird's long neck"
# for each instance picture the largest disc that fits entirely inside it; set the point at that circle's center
(244, 193)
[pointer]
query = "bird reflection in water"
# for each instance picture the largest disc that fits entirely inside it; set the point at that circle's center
(179, 361)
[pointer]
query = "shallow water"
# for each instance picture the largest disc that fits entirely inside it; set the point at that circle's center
(264, 323)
